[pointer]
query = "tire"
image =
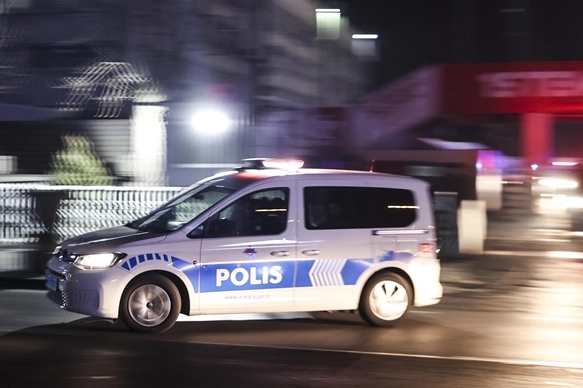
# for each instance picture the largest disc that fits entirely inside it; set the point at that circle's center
(150, 304)
(385, 299)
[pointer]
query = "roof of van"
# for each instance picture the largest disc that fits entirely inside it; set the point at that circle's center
(243, 177)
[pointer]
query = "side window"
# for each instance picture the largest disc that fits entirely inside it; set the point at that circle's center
(358, 207)
(391, 208)
(256, 214)
(335, 207)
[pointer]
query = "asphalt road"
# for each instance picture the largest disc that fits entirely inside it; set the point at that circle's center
(504, 322)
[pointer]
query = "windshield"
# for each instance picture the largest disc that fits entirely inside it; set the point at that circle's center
(181, 210)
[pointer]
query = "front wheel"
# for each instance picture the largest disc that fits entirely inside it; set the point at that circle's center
(385, 299)
(150, 304)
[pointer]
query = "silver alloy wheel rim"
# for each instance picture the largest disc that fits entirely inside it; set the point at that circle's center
(149, 305)
(388, 300)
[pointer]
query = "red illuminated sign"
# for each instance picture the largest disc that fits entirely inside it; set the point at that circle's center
(530, 87)
(531, 84)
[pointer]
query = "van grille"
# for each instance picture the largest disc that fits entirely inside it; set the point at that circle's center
(75, 300)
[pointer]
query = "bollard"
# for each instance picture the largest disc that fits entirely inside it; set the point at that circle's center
(472, 226)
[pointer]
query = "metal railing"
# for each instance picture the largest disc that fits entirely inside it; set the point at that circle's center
(19, 223)
(30, 211)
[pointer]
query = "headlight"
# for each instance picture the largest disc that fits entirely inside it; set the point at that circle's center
(98, 261)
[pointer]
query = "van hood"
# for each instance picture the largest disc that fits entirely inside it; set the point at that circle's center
(108, 239)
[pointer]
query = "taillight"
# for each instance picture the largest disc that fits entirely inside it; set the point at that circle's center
(426, 247)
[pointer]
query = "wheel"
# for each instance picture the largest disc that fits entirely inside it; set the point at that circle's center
(150, 304)
(385, 299)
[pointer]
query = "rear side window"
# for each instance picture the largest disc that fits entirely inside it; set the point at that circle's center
(334, 207)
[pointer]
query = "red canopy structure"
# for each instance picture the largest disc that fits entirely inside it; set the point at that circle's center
(536, 93)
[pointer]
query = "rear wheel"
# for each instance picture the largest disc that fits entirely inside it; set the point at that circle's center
(385, 299)
(150, 304)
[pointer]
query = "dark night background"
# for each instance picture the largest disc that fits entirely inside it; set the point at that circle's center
(414, 33)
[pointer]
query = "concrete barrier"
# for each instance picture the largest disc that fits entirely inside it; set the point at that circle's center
(472, 226)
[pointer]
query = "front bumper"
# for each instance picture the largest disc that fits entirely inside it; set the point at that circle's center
(83, 291)
(81, 301)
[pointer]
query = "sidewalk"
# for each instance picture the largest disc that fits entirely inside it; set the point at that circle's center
(532, 233)
(512, 243)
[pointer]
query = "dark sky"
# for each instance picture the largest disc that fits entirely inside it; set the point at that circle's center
(413, 33)
(409, 34)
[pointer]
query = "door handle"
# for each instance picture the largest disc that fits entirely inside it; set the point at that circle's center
(311, 252)
(279, 253)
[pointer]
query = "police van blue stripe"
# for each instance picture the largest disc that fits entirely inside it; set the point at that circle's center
(247, 276)
(190, 270)
(135, 260)
(353, 269)
(303, 274)
(327, 273)
(330, 272)
(265, 275)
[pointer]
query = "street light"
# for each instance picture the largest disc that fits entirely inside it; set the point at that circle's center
(212, 121)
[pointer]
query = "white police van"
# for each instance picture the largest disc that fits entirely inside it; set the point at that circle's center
(260, 239)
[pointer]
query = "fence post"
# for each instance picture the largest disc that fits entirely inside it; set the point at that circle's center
(46, 204)
(445, 209)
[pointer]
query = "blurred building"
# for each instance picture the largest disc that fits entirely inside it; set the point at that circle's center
(169, 91)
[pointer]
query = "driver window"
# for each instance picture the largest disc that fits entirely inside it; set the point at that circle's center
(257, 214)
